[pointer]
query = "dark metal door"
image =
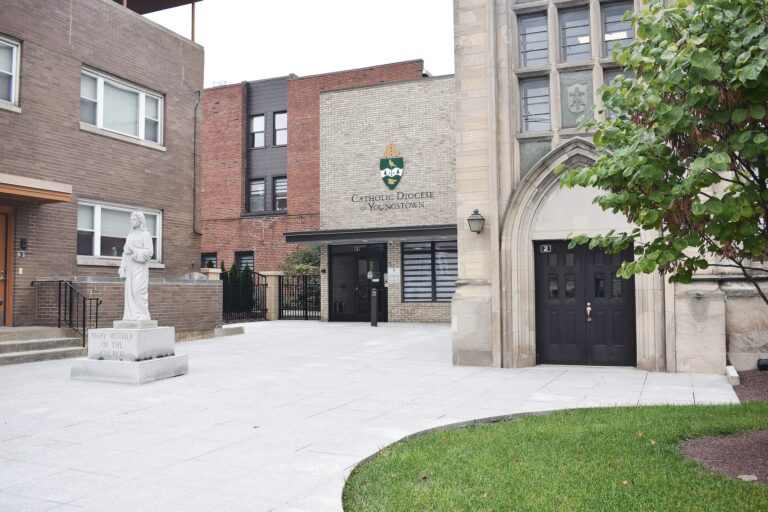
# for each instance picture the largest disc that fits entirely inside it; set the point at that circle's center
(584, 313)
(349, 286)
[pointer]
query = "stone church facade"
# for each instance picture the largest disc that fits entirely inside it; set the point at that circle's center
(525, 72)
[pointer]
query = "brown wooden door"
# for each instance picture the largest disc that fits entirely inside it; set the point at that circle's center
(3, 265)
(584, 313)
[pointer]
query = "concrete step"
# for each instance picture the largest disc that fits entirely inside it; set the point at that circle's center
(33, 333)
(39, 344)
(41, 355)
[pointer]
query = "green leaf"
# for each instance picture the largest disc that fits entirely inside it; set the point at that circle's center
(739, 115)
(760, 138)
(702, 58)
(757, 111)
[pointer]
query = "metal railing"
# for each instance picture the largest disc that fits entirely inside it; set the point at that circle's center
(244, 296)
(299, 297)
(76, 310)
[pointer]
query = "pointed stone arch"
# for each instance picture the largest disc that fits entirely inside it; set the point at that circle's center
(540, 210)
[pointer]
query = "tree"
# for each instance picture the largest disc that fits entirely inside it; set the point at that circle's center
(303, 261)
(684, 151)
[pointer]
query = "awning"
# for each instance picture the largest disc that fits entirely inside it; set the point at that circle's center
(147, 6)
(373, 235)
(30, 189)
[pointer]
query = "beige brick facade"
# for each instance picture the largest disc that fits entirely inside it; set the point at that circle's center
(357, 125)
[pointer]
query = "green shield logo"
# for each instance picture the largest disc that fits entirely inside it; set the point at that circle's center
(391, 167)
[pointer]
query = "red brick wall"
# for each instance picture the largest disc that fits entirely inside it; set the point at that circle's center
(223, 166)
(304, 125)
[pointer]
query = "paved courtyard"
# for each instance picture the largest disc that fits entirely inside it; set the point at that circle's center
(272, 420)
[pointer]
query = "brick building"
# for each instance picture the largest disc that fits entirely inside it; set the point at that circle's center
(387, 200)
(99, 116)
(261, 161)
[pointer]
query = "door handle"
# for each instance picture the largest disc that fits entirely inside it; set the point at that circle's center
(589, 312)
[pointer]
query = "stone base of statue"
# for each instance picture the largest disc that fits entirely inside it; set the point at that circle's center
(132, 352)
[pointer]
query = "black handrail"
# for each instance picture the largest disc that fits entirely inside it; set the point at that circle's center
(76, 310)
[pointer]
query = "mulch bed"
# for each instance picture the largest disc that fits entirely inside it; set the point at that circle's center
(743, 454)
(754, 386)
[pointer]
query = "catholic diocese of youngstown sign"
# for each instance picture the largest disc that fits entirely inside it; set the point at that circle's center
(391, 167)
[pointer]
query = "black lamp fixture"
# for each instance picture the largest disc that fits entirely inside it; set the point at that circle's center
(476, 222)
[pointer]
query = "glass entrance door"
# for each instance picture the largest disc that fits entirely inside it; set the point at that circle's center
(350, 267)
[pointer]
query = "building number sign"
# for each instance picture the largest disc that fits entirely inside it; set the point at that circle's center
(545, 248)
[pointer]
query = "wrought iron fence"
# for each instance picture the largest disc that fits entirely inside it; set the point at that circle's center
(299, 297)
(244, 295)
(76, 310)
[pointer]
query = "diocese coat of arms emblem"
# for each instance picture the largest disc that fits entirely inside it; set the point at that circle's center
(391, 166)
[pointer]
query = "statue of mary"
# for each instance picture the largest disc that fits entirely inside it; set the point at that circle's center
(134, 267)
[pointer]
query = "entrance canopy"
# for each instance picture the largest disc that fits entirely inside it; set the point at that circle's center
(30, 189)
(373, 235)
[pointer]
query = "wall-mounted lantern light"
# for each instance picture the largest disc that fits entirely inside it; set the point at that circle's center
(476, 222)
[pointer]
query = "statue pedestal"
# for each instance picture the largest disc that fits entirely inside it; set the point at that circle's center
(131, 353)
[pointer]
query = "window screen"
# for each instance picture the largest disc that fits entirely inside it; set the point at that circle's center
(430, 270)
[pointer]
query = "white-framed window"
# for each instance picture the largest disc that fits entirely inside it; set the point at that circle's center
(280, 136)
(102, 229)
(258, 138)
(280, 194)
(257, 196)
(113, 105)
(10, 51)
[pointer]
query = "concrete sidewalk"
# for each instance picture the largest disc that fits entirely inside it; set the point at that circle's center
(273, 419)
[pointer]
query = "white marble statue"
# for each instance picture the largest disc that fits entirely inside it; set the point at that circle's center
(134, 267)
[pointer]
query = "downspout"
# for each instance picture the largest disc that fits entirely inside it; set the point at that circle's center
(195, 191)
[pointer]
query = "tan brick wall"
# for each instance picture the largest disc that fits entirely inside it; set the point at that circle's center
(356, 127)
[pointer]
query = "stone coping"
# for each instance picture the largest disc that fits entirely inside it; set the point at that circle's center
(104, 280)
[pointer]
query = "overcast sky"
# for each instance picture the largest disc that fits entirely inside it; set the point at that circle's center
(254, 39)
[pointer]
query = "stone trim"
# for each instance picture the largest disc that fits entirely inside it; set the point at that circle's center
(517, 281)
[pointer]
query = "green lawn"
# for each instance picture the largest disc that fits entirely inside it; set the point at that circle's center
(596, 459)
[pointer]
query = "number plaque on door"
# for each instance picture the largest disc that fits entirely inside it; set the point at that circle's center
(545, 248)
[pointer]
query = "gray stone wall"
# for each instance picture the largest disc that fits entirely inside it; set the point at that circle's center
(357, 125)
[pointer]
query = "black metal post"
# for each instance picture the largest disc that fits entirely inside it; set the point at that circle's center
(374, 303)
(85, 326)
(58, 305)
(306, 297)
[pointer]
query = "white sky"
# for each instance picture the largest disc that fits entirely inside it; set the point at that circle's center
(255, 39)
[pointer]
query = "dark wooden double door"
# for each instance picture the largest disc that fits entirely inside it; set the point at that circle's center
(585, 314)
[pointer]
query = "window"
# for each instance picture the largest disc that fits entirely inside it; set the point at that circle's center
(281, 128)
(430, 270)
(244, 259)
(616, 31)
(101, 229)
(280, 194)
(534, 94)
(208, 260)
(574, 35)
(257, 131)
(534, 49)
(609, 75)
(9, 71)
(121, 108)
(256, 201)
